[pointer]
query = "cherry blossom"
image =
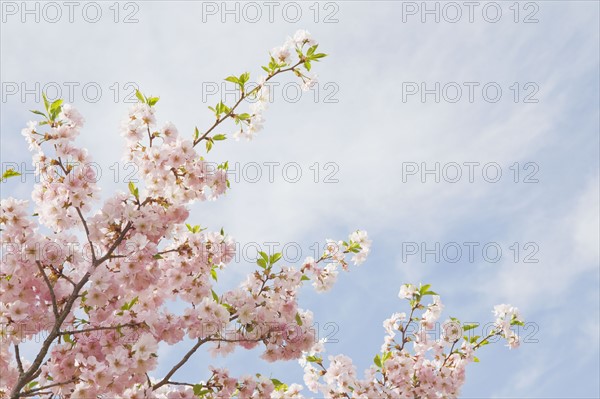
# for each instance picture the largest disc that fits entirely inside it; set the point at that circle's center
(95, 279)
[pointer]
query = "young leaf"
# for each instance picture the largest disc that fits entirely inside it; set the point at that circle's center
(140, 96)
(264, 256)
(38, 112)
(468, 327)
(46, 102)
(10, 173)
(275, 257)
(134, 190)
(55, 106)
(298, 319)
(279, 386)
(377, 361)
(245, 77)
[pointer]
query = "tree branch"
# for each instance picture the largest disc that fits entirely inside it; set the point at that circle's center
(18, 358)
(36, 391)
(187, 356)
(242, 97)
(50, 288)
(85, 330)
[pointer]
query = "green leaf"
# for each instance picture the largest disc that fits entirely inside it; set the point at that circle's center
(67, 338)
(219, 137)
(377, 360)
(214, 295)
(279, 386)
(197, 132)
(245, 77)
(152, 101)
(56, 105)
(38, 112)
(261, 263)
(129, 305)
(209, 145)
(140, 96)
(134, 190)
(307, 65)
(314, 359)
(275, 257)
(386, 356)
(304, 278)
(232, 79)
(10, 173)
(158, 256)
(244, 116)
(200, 391)
(213, 274)
(475, 359)
(32, 384)
(468, 327)
(264, 256)
(424, 288)
(298, 319)
(46, 102)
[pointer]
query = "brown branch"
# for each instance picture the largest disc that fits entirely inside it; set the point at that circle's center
(31, 372)
(18, 358)
(118, 241)
(187, 356)
(87, 233)
(187, 384)
(52, 295)
(37, 390)
(85, 330)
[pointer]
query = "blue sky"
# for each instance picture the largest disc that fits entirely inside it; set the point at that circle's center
(369, 134)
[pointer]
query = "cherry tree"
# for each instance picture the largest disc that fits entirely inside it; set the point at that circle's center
(94, 280)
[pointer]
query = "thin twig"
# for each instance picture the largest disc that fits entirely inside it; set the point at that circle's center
(85, 330)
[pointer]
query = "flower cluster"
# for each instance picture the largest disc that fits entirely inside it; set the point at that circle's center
(431, 367)
(296, 53)
(334, 256)
(95, 281)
